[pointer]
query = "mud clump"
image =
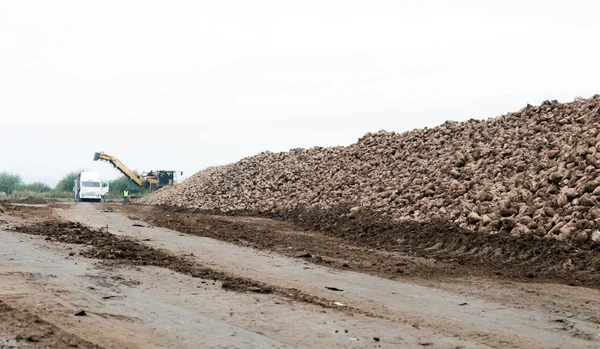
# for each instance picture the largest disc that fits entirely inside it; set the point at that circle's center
(104, 245)
(527, 256)
(366, 242)
(26, 212)
(28, 200)
(532, 172)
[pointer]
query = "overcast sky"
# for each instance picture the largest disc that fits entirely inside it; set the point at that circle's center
(190, 84)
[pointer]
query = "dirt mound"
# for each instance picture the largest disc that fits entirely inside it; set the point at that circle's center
(110, 247)
(26, 212)
(29, 200)
(106, 246)
(535, 171)
(526, 255)
(364, 237)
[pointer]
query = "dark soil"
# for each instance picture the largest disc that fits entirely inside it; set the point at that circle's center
(366, 242)
(29, 200)
(22, 329)
(527, 256)
(106, 246)
(26, 212)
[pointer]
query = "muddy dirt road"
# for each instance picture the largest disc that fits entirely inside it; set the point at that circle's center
(143, 286)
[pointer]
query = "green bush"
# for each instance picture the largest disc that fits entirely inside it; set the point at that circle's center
(67, 182)
(35, 187)
(9, 182)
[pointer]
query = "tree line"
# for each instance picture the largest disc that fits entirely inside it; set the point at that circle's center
(11, 182)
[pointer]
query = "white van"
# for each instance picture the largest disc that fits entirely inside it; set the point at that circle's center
(88, 187)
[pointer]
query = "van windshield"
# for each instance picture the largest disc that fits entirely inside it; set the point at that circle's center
(90, 184)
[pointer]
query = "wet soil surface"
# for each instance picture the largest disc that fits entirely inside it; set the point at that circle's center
(554, 315)
(20, 329)
(366, 242)
(105, 246)
(29, 200)
(26, 212)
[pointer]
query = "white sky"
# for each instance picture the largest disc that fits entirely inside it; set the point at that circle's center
(190, 84)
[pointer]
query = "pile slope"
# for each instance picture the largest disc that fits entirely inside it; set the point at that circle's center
(534, 171)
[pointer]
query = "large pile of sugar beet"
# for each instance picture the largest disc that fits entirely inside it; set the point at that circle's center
(535, 171)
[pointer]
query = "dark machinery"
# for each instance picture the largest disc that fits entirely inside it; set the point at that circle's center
(152, 180)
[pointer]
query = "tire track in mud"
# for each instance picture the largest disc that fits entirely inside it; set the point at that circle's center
(105, 246)
(516, 257)
(450, 250)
